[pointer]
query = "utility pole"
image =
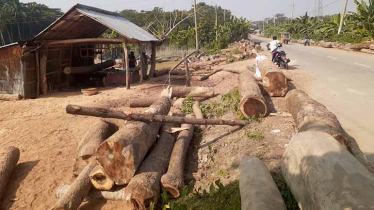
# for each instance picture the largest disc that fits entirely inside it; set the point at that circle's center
(224, 17)
(342, 17)
(293, 10)
(196, 26)
(216, 23)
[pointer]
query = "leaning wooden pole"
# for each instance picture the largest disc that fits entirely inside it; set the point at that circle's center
(122, 154)
(144, 188)
(173, 180)
(8, 161)
(273, 79)
(79, 190)
(107, 113)
(310, 115)
(252, 102)
(323, 175)
(126, 63)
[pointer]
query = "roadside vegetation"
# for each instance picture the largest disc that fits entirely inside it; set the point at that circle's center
(358, 26)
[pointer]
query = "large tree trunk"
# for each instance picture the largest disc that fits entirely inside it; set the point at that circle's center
(148, 118)
(144, 188)
(89, 69)
(252, 102)
(94, 195)
(310, 115)
(122, 154)
(326, 44)
(258, 190)
(80, 188)
(100, 180)
(87, 147)
(8, 161)
(273, 79)
(173, 180)
(323, 175)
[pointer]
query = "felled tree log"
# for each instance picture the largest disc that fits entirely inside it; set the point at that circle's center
(162, 72)
(199, 65)
(310, 115)
(142, 102)
(173, 180)
(182, 92)
(122, 154)
(87, 147)
(79, 189)
(326, 44)
(323, 175)
(368, 51)
(144, 187)
(10, 97)
(363, 45)
(372, 46)
(107, 113)
(94, 195)
(89, 69)
(273, 79)
(252, 102)
(258, 47)
(8, 161)
(100, 180)
(258, 190)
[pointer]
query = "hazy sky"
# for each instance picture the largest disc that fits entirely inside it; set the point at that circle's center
(251, 9)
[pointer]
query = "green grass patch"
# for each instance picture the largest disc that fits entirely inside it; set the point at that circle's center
(219, 197)
(187, 105)
(254, 136)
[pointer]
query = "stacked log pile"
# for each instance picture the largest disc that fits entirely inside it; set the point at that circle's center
(365, 47)
(114, 165)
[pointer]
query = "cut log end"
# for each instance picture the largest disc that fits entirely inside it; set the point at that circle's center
(253, 107)
(67, 70)
(100, 180)
(171, 185)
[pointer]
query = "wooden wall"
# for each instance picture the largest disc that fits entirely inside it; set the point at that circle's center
(11, 70)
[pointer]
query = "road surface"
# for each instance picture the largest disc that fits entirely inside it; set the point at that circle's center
(344, 83)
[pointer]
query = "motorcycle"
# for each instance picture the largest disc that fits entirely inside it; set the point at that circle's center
(280, 58)
(307, 42)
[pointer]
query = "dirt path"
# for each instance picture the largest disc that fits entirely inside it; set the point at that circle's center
(48, 138)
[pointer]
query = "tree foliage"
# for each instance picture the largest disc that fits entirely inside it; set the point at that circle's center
(358, 26)
(22, 21)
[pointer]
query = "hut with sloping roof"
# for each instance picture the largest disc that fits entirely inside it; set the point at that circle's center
(59, 55)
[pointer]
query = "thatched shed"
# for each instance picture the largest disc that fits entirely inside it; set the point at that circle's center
(37, 66)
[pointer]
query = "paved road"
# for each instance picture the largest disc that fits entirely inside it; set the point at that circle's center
(345, 84)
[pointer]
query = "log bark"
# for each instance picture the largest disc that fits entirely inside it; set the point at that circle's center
(122, 154)
(323, 175)
(368, 51)
(87, 147)
(274, 81)
(107, 113)
(89, 69)
(198, 113)
(142, 102)
(94, 195)
(310, 115)
(372, 46)
(258, 190)
(182, 92)
(100, 180)
(173, 180)
(43, 73)
(199, 65)
(10, 97)
(144, 188)
(258, 47)
(252, 102)
(8, 160)
(79, 189)
(363, 45)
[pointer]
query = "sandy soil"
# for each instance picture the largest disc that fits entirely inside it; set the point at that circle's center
(48, 138)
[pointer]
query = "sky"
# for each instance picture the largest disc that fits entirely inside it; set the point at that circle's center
(251, 9)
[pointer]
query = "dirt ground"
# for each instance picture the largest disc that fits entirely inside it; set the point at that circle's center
(48, 138)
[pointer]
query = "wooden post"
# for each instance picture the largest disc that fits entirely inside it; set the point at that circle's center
(70, 65)
(59, 72)
(126, 63)
(153, 60)
(141, 71)
(37, 73)
(188, 76)
(43, 73)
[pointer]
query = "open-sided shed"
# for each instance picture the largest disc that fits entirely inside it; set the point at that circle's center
(37, 66)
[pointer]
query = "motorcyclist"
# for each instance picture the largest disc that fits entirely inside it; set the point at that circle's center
(307, 40)
(273, 45)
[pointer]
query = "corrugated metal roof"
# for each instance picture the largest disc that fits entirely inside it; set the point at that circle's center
(83, 21)
(9, 45)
